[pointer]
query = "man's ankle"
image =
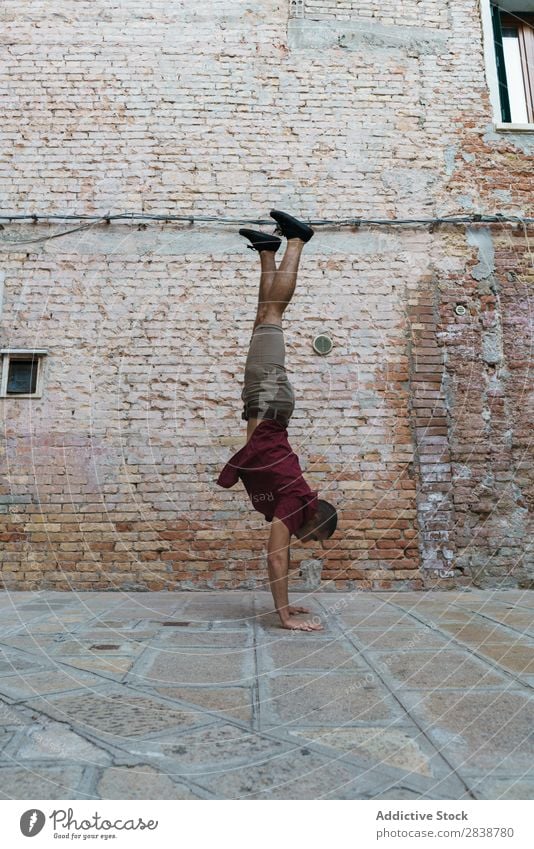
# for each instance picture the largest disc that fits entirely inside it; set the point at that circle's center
(283, 614)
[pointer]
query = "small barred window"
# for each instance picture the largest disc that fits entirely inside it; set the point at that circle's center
(296, 8)
(22, 374)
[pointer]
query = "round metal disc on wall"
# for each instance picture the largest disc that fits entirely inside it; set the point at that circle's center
(322, 344)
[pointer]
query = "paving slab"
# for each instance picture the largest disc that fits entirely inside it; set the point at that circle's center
(97, 634)
(476, 633)
(52, 740)
(434, 618)
(377, 619)
(127, 624)
(222, 624)
(170, 637)
(100, 647)
(234, 612)
(483, 606)
(52, 680)
(5, 737)
(198, 752)
(42, 626)
(394, 747)
(176, 623)
(13, 716)
(400, 791)
(522, 622)
(110, 667)
(299, 774)
(514, 787)
(134, 618)
(9, 664)
(244, 597)
(525, 601)
(333, 698)
(40, 782)
(226, 701)
(39, 644)
(117, 714)
(451, 616)
(401, 639)
(437, 669)
(510, 656)
(179, 665)
(140, 782)
(478, 730)
(290, 653)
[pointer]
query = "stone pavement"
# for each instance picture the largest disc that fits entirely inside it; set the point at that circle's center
(200, 695)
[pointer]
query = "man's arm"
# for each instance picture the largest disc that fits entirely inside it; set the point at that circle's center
(278, 566)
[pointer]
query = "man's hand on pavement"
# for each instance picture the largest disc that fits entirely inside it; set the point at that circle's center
(302, 625)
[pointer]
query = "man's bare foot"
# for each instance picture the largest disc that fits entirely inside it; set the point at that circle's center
(292, 610)
(304, 625)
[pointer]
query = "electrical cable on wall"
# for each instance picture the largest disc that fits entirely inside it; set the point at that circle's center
(215, 219)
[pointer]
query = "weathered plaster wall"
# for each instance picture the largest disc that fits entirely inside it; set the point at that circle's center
(417, 425)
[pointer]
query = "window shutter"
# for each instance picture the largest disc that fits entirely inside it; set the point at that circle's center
(526, 43)
(501, 70)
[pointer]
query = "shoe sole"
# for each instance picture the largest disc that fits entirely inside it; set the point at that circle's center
(269, 243)
(305, 230)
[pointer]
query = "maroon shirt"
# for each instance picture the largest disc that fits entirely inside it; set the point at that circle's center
(271, 474)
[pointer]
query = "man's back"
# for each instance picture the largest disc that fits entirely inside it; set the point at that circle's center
(272, 476)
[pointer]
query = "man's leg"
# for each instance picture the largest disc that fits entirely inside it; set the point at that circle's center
(284, 282)
(275, 292)
(268, 273)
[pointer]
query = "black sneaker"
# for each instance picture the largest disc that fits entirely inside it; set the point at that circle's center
(291, 227)
(261, 241)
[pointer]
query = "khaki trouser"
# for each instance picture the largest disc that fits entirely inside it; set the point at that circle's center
(266, 388)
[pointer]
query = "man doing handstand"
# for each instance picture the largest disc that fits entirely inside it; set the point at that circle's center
(267, 465)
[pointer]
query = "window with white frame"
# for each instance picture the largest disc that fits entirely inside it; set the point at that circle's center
(22, 373)
(513, 38)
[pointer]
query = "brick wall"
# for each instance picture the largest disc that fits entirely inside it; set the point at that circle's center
(408, 12)
(416, 425)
